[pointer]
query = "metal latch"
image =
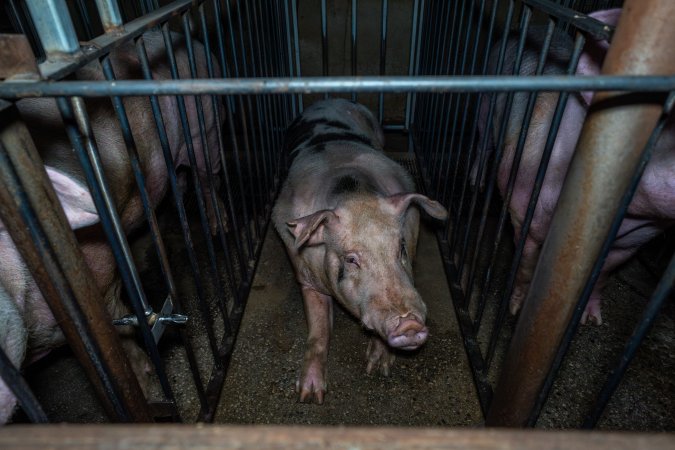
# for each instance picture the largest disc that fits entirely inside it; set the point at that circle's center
(158, 321)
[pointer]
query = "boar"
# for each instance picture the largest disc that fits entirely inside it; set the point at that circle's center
(651, 210)
(348, 218)
(28, 329)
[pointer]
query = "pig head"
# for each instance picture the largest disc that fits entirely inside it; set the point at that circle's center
(349, 221)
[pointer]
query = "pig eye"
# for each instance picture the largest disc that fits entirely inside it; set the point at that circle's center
(352, 259)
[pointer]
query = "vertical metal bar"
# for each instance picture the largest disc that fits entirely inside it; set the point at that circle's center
(457, 219)
(383, 54)
(148, 337)
(660, 295)
(289, 54)
(109, 12)
(564, 269)
(27, 203)
(650, 310)
(529, 214)
(412, 60)
(296, 39)
(178, 201)
(261, 148)
(169, 161)
(354, 33)
(324, 41)
(11, 376)
(54, 26)
(86, 20)
(206, 153)
(215, 110)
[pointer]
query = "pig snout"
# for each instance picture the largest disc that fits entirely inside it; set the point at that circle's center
(408, 333)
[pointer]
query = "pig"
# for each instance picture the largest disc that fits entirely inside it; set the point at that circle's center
(651, 210)
(28, 329)
(348, 218)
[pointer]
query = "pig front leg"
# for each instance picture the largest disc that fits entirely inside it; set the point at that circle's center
(311, 384)
(379, 357)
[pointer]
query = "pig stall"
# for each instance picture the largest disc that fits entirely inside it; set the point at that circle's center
(144, 148)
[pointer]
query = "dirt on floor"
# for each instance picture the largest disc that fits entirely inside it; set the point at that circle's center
(429, 387)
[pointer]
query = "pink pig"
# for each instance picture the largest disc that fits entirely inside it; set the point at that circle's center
(27, 327)
(652, 209)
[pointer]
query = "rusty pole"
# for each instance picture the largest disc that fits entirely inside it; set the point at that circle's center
(609, 148)
(30, 210)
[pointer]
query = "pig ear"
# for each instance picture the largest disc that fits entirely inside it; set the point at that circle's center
(75, 199)
(309, 230)
(402, 201)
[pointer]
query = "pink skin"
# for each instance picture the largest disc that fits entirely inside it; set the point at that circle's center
(649, 213)
(355, 247)
(31, 330)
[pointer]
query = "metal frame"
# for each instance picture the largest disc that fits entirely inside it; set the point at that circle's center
(261, 88)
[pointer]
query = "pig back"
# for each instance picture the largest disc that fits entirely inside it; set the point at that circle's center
(337, 146)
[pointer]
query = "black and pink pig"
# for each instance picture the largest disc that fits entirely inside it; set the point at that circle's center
(349, 219)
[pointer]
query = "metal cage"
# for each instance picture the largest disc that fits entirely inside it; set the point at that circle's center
(428, 83)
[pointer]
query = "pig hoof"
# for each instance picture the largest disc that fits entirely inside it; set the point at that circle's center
(592, 314)
(311, 385)
(514, 305)
(379, 357)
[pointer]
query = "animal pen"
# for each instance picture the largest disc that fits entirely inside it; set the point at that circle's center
(439, 78)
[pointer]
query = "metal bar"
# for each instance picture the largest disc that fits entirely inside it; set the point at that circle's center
(534, 197)
(206, 153)
(109, 12)
(324, 41)
(148, 338)
(563, 269)
(86, 20)
(520, 145)
(57, 68)
(412, 67)
(581, 305)
(11, 376)
(178, 201)
(383, 55)
(580, 21)
(199, 194)
(54, 27)
(354, 34)
(52, 254)
(296, 40)
(312, 85)
(659, 296)
(215, 101)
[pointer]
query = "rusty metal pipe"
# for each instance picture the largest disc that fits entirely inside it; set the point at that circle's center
(31, 211)
(609, 149)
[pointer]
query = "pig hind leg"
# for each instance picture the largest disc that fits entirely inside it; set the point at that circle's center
(311, 384)
(525, 272)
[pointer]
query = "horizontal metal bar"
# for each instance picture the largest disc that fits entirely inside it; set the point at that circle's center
(310, 85)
